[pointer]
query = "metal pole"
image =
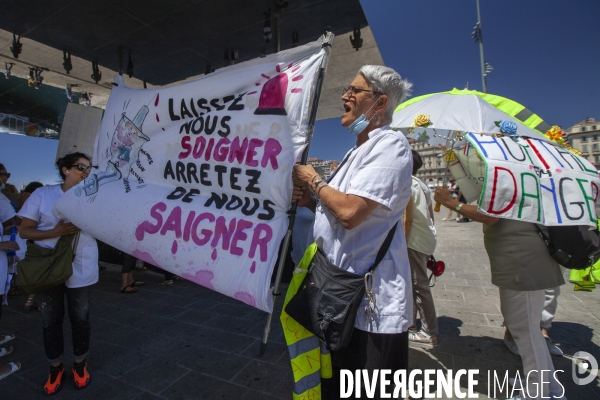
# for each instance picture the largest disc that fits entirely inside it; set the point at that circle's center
(292, 212)
(481, 49)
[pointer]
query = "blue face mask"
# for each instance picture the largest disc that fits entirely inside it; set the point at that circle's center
(2, 186)
(361, 123)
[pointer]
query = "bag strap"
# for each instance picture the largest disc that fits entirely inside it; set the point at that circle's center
(384, 247)
(340, 166)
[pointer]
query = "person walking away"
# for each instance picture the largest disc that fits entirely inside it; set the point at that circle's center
(521, 267)
(421, 241)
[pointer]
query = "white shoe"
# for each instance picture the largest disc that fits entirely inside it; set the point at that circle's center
(512, 346)
(553, 348)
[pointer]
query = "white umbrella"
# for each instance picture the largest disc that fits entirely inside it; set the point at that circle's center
(433, 118)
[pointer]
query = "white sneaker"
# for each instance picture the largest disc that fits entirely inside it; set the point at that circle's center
(512, 346)
(553, 348)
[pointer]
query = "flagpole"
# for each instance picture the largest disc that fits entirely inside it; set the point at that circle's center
(482, 58)
(292, 211)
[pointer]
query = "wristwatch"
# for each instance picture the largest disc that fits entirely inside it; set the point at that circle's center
(459, 206)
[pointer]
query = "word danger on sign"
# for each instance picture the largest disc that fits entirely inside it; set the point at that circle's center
(535, 181)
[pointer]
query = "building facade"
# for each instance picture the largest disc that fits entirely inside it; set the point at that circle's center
(585, 137)
(434, 165)
(323, 168)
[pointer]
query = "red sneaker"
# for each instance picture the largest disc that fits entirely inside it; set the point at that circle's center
(55, 377)
(81, 376)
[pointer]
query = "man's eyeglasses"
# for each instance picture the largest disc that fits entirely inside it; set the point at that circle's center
(6, 174)
(83, 167)
(351, 90)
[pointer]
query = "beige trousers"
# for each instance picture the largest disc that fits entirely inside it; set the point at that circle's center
(422, 298)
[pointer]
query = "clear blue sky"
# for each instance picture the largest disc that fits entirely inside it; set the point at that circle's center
(545, 54)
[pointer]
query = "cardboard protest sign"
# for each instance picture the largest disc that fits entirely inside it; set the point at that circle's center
(532, 180)
(196, 178)
(469, 171)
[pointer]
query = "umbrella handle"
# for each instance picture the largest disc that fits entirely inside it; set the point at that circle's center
(438, 207)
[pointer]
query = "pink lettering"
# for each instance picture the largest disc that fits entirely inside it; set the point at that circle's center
(147, 226)
(206, 233)
(260, 241)
(220, 150)
(221, 231)
(239, 235)
(173, 223)
(272, 150)
(254, 143)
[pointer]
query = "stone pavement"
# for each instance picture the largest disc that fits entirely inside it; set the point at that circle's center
(187, 342)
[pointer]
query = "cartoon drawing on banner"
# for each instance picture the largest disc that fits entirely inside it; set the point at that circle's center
(127, 141)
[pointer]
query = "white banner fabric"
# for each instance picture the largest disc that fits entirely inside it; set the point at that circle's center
(196, 178)
(528, 180)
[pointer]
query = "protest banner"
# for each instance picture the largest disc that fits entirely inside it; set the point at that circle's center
(196, 178)
(527, 179)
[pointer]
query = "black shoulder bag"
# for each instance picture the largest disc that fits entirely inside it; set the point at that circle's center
(327, 302)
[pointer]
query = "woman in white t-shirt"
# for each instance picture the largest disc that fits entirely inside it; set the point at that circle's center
(354, 211)
(40, 224)
(421, 241)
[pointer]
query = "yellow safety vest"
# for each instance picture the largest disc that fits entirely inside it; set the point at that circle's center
(309, 357)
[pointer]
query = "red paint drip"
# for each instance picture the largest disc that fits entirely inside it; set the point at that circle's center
(156, 101)
(267, 77)
(257, 84)
(296, 90)
(253, 267)
(253, 92)
(296, 69)
(163, 129)
(297, 78)
(174, 247)
(277, 68)
(214, 254)
(157, 119)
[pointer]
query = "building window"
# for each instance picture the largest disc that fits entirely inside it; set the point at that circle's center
(594, 147)
(594, 128)
(583, 129)
(584, 148)
(597, 159)
(584, 139)
(595, 138)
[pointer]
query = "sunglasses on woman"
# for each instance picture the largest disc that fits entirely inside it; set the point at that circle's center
(6, 174)
(83, 167)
